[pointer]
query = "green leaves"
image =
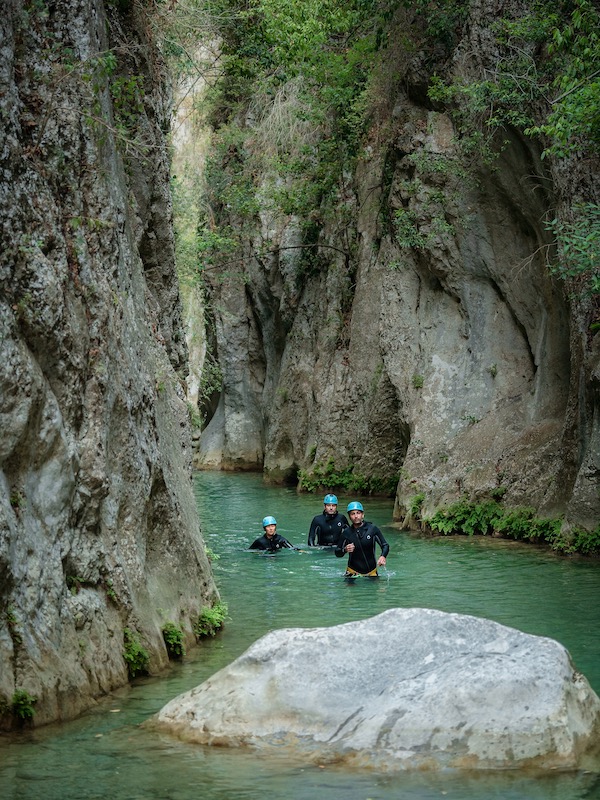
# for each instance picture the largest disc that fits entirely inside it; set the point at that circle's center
(325, 475)
(578, 246)
(173, 638)
(210, 620)
(521, 524)
(549, 59)
(135, 654)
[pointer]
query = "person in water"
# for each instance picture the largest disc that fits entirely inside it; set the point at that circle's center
(358, 540)
(325, 529)
(271, 540)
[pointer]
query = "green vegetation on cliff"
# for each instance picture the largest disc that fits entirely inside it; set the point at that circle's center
(295, 90)
(489, 517)
(544, 83)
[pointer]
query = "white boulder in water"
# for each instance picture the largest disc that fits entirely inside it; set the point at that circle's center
(409, 688)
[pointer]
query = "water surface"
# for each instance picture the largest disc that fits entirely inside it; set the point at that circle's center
(106, 754)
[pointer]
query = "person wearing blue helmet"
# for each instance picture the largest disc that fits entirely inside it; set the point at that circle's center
(271, 540)
(358, 541)
(325, 529)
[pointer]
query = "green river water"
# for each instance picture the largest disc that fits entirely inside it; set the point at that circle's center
(107, 754)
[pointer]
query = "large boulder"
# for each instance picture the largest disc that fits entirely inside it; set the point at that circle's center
(409, 688)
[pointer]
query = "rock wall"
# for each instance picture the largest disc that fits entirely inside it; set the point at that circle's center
(432, 349)
(98, 524)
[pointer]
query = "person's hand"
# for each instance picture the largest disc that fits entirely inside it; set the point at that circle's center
(349, 548)
(381, 562)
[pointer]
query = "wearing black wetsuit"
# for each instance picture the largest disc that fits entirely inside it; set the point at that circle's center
(326, 529)
(276, 542)
(362, 560)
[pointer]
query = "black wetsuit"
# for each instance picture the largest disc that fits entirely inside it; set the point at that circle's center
(326, 529)
(276, 542)
(362, 560)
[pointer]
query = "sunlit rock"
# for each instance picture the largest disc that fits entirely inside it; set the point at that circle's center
(409, 688)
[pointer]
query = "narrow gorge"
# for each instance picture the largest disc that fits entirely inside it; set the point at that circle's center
(351, 246)
(391, 289)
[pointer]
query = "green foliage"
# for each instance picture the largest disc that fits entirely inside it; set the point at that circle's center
(586, 542)
(415, 504)
(135, 654)
(443, 20)
(13, 626)
(22, 704)
(466, 517)
(110, 591)
(210, 620)
(325, 476)
(578, 245)
(520, 524)
(127, 92)
(173, 636)
(74, 583)
(288, 110)
(418, 381)
(548, 58)
(211, 555)
(211, 380)
(406, 229)
(575, 49)
(17, 500)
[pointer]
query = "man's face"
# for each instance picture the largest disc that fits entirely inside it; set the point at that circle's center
(330, 508)
(357, 517)
(270, 531)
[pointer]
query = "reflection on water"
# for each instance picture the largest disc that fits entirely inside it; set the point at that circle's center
(106, 754)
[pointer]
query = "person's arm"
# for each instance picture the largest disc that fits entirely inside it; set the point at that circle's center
(312, 534)
(340, 546)
(281, 542)
(256, 545)
(385, 548)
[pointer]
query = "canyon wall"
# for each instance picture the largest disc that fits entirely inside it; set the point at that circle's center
(427, 349)
(98, 524)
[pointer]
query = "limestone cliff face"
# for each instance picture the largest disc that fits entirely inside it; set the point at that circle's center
(98, 526)
(432, 348)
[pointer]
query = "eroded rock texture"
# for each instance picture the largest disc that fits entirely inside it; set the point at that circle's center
(98, 526)
(407, 689)
(430, 346)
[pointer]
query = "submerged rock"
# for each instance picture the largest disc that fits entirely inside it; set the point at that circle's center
(409, 688)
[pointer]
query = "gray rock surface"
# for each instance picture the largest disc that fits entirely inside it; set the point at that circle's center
(457, 366)
(98, 523)
(407, 689)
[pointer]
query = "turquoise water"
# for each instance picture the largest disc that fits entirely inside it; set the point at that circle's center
(107, 754)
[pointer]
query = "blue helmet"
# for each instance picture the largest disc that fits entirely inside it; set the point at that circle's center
(330, 498)
(269, 521)
(355, 506)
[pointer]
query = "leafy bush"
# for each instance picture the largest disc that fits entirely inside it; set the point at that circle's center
(326, 475)
(173, 636)
(520, 524)
(548, 59)
(415, 504)
(135, 654)
(578, 245)
(22, 704)
(587, 542)
(210, 620)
